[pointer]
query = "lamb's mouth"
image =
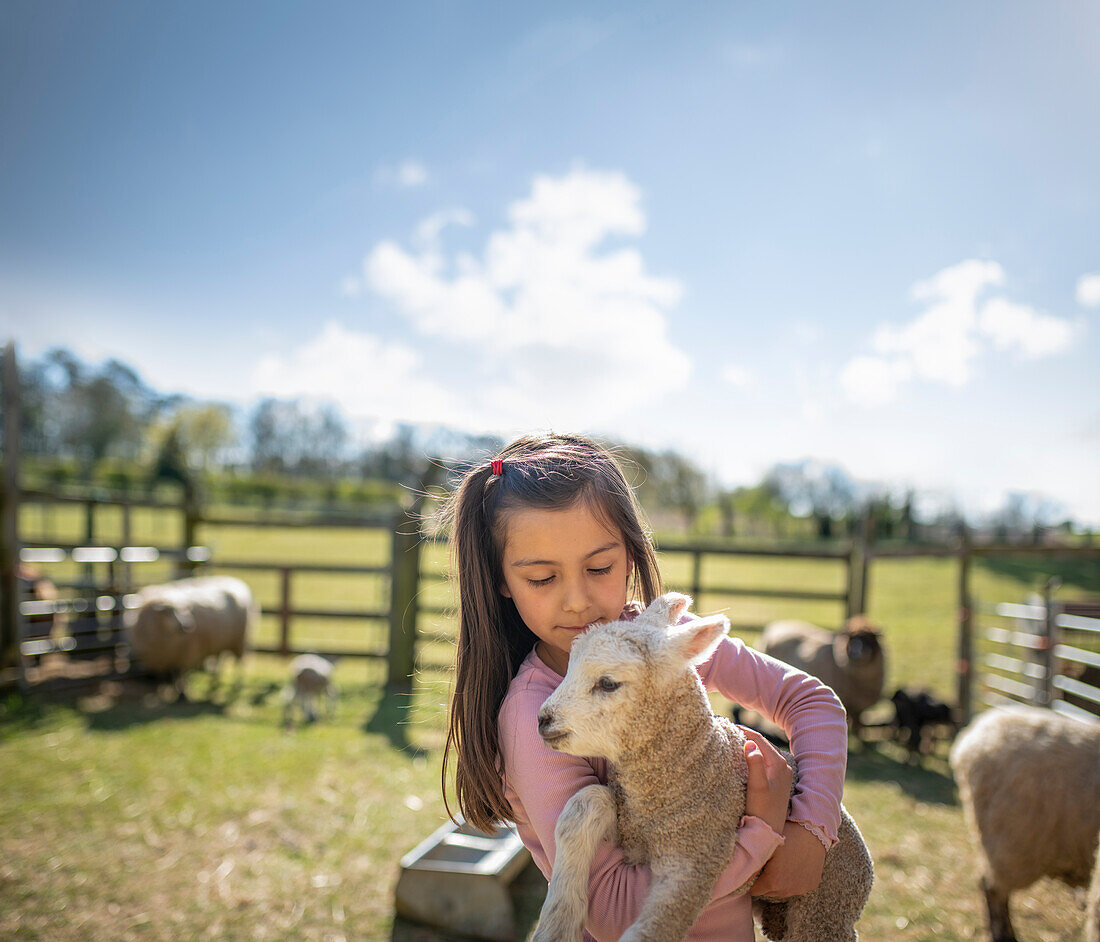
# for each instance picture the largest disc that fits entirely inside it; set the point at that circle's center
(554, 738)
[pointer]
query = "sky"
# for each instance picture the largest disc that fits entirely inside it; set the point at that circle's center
(863, 233)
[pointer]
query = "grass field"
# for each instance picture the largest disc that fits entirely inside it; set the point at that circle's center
(123, 816)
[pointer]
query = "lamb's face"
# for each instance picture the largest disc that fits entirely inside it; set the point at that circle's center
(616, 673)
(591, 711)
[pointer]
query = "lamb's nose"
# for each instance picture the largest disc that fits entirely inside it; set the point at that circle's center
(546, 717)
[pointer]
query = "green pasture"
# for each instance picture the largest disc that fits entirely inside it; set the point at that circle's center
(123, 816)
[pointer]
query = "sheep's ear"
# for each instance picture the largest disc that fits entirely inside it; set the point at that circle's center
(666, 609)
(696, 641)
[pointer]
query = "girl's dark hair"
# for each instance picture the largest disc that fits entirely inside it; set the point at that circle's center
(547, 472)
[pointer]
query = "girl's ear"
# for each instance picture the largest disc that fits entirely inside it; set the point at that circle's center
(504, 590)
(696, 641)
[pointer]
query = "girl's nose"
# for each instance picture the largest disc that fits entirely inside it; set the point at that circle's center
(576, 597)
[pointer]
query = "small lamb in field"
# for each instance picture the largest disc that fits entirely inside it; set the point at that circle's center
(851, 661)
(628, 684)
(1029, 780)
(310, 678)
(176, 626)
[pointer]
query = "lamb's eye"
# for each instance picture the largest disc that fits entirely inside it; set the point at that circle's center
(606, 684)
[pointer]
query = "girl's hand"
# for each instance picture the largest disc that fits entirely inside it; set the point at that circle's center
(794, 868)
(769, 787)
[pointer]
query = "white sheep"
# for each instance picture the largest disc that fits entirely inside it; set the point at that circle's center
(632, 695)
(1029, 780)
(310, 678)
(851, 661)
(175, 627)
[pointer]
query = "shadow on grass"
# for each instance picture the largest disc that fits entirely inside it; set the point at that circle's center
(19, 714)
(392, 718)
(929, 782)
(106, 706)
(124, 714)
(527, 893)
(1077, 575)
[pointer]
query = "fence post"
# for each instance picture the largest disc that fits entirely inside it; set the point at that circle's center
(858, 554)
(404, 579)
(965, 657)
(866, 538)
(9, 515)
(696, 576)
(1046, 652)
(88, 572)
(284, 613)
(191, 518)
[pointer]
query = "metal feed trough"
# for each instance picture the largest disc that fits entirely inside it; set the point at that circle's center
(458, 879)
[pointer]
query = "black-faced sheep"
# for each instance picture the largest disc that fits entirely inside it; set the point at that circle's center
(310, 679)
(175, 627)
(675, 802)
(1029, 780)
(851, 661)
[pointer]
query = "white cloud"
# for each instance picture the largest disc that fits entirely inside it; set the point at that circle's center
(1019, 327)
(941, 344)
(574, 332)
(1088, 290)
(364, 373)
(411, 173)
(429, 230)
(737, 376)
(874, 380)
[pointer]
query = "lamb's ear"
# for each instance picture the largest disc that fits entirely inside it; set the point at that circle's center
(666, 609)
(696, 640)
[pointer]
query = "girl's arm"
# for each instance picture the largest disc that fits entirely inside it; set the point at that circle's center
(538, 783)
(810, 714)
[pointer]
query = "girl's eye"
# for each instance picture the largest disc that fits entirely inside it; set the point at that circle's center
(606, 684)
(545, 581)
(600, 572)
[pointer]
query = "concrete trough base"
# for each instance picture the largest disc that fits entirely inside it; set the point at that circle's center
(458, 880)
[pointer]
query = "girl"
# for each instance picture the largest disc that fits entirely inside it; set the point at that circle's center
(548, 539)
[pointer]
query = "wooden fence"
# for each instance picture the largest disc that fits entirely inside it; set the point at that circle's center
(111, 573)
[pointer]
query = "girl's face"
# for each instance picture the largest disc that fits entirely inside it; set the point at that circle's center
(564, 569)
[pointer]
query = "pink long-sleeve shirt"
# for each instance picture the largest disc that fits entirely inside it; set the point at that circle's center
(539, 781)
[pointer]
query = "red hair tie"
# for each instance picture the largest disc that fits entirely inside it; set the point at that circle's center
(497, 466)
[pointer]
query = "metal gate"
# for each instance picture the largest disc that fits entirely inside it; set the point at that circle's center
(1041, 652)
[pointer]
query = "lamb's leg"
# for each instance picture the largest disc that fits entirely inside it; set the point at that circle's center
(808, 921)
(830, 912)
(676, 897)
(996, 901)
(587, 818)
(331, 701)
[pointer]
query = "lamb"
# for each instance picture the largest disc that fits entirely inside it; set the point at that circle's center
(41, 616)
(175, 627)
(851, 661)
(1029, 780)
(628, 683)
(917, 714)
(310, 677)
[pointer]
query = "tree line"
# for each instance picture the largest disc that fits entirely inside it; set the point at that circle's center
(103, 423)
